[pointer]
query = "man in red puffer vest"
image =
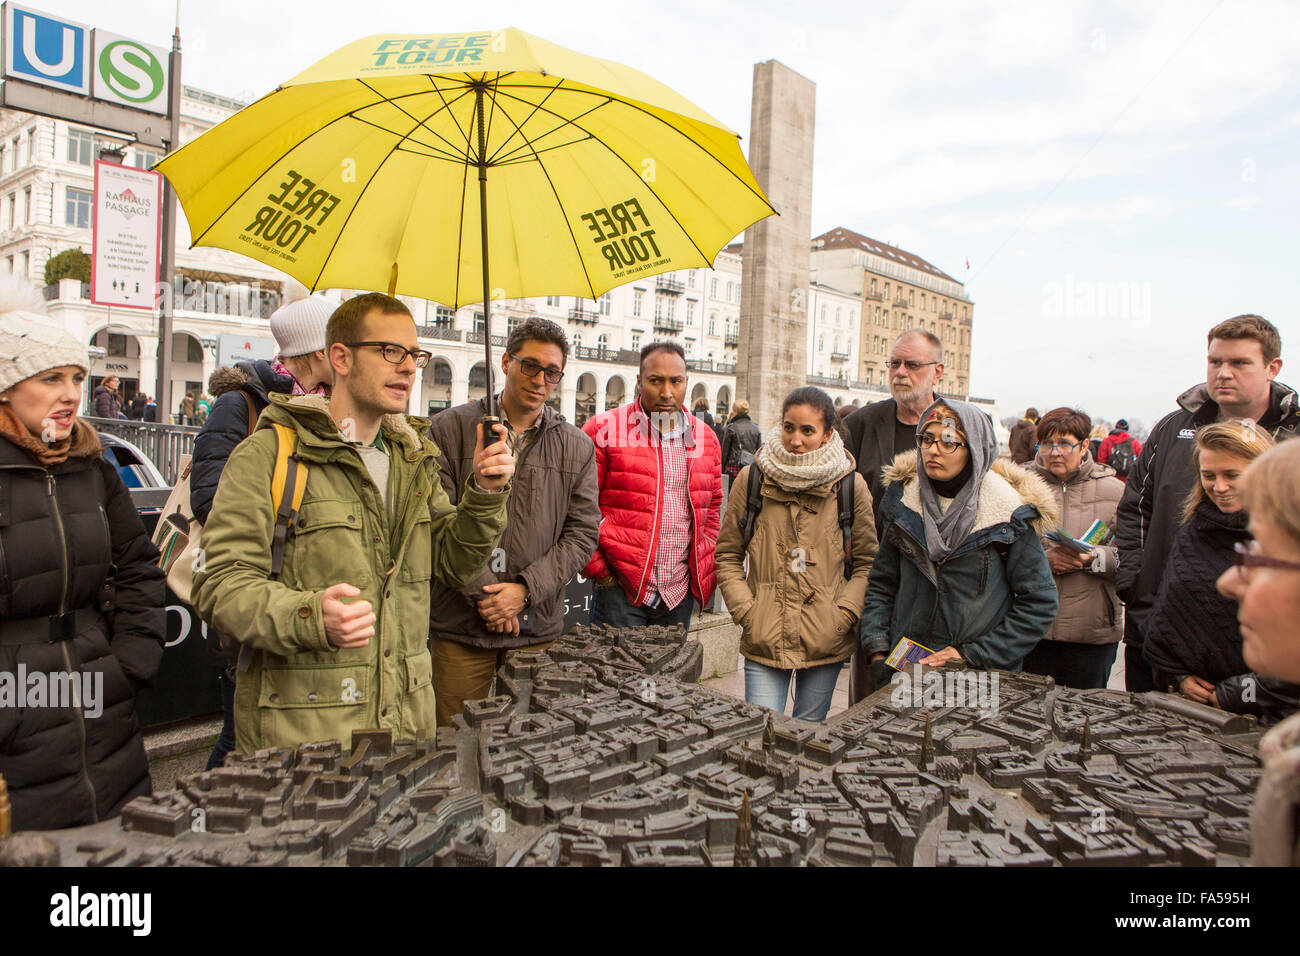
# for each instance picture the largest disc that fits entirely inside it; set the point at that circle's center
(660, 475)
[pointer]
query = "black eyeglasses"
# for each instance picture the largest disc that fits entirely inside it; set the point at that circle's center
(394, 353)
(896, 364)
(1248, 556)
(531, 368)
(946, 445)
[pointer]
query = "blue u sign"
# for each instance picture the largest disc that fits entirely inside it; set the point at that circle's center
(42, 49)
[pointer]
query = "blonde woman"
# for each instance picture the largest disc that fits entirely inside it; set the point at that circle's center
(1265, 581)
(1193, 643)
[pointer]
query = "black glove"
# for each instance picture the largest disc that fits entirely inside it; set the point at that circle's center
(882, 673)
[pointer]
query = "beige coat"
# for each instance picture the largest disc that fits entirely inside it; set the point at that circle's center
(1090, 612)
(796, 609)
(1273, 829)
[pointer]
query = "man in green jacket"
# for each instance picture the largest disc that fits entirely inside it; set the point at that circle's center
(373, 528)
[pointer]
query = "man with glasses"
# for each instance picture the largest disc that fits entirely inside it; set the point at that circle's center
(333, 615)
(879, 431)
(517, 601)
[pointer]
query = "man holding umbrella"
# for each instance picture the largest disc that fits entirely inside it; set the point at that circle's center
(334, 638)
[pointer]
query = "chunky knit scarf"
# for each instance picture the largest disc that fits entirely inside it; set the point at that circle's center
(801, 472)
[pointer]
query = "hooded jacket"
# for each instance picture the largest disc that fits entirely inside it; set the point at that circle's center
(66, 532)
(1116, 438)
(796, 612)
(1150, 512)
(1192, 629)
(106, 403)
(992, 598)
(551, 528)
(227, 424)
(299, 687)
(629, 469)
(1089, 609)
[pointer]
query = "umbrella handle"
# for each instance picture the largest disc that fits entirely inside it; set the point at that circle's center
(489, 434)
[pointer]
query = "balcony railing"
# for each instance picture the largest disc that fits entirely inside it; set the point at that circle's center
(946, 316)
(586, 316)
(443, 332)
(667, 284)
(828, 381)
(839, 356)
(731, 338)
(669, 325)
(476, 338)
(875, 296)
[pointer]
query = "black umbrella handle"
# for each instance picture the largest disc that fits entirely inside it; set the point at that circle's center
(489, 432)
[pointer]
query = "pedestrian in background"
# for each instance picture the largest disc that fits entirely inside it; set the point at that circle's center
(1265, 583)
(1119, 450)
(1023, 440)
(1079, 649)
(106, 402)
(1192, 639)
(798, 607)
(740, 440)
(81, 595)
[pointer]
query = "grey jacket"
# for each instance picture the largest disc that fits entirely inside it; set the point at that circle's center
(552, 523)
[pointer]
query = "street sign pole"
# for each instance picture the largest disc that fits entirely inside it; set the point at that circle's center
(166, 300)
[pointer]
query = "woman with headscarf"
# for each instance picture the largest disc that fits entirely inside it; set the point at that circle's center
(81, 597)
(960, 570)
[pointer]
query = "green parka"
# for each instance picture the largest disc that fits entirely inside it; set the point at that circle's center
(299, 686)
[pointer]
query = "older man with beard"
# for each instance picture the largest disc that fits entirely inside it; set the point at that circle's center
(881, 430)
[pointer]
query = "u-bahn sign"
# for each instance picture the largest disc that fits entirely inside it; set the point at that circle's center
(61, 68)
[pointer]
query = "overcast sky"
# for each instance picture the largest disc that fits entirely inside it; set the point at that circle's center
(1120, 176)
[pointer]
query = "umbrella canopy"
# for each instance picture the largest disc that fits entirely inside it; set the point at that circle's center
(364, 172)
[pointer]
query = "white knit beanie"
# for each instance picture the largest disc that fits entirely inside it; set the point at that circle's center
(299, 324)
(30, 342)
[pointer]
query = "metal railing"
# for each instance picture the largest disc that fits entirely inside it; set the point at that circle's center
(583, 315)
(669, 325)
(665, 284)
(162, 444)
(476, 338)
(444, 332)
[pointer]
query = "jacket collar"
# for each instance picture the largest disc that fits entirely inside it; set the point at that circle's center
(1283, 405)
(309, 415)
(549, 417)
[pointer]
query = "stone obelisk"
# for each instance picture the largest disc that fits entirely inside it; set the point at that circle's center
(772, 357)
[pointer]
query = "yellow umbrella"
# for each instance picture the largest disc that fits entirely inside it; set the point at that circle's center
(372, 170)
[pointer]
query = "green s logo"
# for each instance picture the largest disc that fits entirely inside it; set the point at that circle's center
(131, 71)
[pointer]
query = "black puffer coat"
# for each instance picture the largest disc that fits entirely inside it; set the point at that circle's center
(227, 424)
(740, 435)
(65, 533)
(1192, 630)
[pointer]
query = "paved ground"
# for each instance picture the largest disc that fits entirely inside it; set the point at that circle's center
(734, 683)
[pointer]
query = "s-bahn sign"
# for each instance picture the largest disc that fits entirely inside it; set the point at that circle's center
(68, 56)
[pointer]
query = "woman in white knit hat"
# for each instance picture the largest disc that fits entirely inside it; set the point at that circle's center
(239, 395)
(81, 596)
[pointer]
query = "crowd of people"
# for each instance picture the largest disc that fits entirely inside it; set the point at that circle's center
(359, 567)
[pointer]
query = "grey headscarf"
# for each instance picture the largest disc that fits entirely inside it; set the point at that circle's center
(944, 532)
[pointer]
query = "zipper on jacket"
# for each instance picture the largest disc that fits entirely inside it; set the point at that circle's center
(63, 542)
(81, 729)
(654, 529)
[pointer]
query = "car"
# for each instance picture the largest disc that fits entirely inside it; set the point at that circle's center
(149, 490)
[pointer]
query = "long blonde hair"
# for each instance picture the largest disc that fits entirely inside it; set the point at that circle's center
(1236, 437)
(1273, 488)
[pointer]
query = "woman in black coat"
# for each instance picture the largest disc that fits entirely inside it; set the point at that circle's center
(1193, 642)
(741, 440)
(81, 597)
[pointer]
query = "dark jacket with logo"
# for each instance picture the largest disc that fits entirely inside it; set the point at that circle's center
(65, 532)
(1150, 512)
(552, 524)
(1192, 629)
